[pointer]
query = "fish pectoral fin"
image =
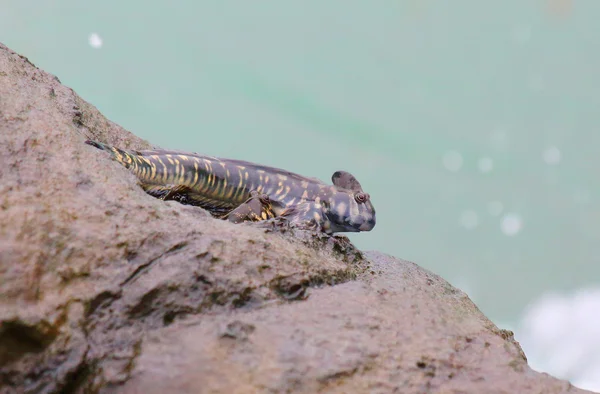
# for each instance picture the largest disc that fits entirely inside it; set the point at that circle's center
(304, 216)
(178, 193)
(255, 208)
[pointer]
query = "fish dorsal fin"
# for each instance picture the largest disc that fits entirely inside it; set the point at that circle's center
(249, 165)
(345, 180)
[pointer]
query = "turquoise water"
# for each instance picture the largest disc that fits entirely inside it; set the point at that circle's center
(473, 125)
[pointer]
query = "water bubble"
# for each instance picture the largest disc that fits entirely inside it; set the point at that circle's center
(469, 219)
(552, 155)
(95, 41)
(511, 224)
(485, 164)
(452, 160)
(495, 208)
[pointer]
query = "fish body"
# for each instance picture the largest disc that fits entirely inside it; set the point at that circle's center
(243, 191)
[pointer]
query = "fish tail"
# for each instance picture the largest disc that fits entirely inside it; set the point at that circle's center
(128, 159)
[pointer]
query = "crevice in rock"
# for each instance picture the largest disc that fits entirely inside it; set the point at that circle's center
(169, 318)
(146, 304)
(242, 298)
(144, 267)
(76, 381)
(294, 287)
(18, 339)
(103, 300)
(237, 330)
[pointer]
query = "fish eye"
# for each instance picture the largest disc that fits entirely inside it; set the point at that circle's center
(361, 197)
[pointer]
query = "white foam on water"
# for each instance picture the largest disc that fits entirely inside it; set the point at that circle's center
(511, 224)
(560, 334)
(452, 160)
(95, 40)
(552, 155)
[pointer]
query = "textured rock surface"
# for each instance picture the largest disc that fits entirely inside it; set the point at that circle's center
(106, 289)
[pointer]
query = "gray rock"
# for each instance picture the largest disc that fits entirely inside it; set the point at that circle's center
(106, 289)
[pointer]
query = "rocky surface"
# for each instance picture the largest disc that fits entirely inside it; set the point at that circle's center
(106, 289)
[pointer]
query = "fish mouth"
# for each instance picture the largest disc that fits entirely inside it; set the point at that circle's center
(343, 228)
(367, 226)
(347, 225)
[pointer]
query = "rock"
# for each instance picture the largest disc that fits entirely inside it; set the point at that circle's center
(106, 289)
(398, 328)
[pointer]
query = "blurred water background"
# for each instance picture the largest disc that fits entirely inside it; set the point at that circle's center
(473, 125)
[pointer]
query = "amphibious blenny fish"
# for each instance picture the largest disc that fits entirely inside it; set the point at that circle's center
(240, 191)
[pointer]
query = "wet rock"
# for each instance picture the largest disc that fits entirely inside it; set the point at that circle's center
(106, 289)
